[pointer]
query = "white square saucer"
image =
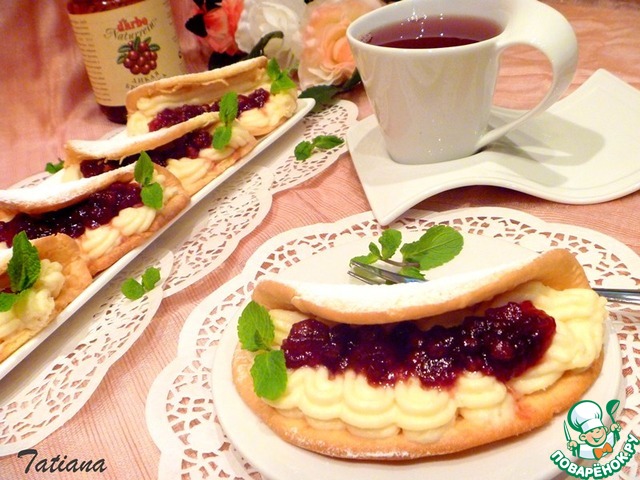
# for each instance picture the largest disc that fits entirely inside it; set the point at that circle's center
(585, 149)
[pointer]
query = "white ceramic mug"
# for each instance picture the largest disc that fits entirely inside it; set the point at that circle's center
(433, 104)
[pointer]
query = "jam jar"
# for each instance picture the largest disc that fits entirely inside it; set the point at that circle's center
(124, 44)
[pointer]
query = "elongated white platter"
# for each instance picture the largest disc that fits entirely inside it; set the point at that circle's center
(304, 106)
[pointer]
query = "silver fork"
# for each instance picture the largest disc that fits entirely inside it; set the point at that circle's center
(374, 275)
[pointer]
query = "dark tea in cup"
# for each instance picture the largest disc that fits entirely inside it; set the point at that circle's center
(437, 31)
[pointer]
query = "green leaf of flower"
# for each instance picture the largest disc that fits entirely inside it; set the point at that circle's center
(258, 49)
(24, 266)
(144, 170)
(152, 195)
(255, 328)
(437, 246)
(322, 94)
(269, 373)
(132, 289)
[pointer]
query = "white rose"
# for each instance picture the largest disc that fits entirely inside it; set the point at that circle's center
(261, 17)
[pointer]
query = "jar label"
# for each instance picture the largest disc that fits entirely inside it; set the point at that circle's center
(127, 47)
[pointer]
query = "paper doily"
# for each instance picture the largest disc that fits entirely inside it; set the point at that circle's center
(180, 412)
(40, 395)
(201, 240)
(205, 238)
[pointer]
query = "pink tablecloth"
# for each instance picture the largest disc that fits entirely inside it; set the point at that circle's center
(46, 99)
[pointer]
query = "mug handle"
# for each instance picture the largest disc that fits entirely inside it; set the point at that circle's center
(545, 29)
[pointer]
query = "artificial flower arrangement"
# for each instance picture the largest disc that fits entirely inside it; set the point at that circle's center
(305, 36)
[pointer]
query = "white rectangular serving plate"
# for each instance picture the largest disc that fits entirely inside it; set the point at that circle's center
(304, 106)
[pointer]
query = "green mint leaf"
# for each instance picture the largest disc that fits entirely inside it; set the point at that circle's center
(255, 328)
(413, 272)
(54, 167)
(7, 300)
(150, 278)
(221, 137)
(280, 80)
(143, 171)
(273, 69)
(367, 259)
(132, 289)
(24, 267)
(374, 250)
(282, 84)
(437, 246)
(228, 108)
(326, 142)
(152, 195)
(303, 150)
(390, 240)
(269, 373)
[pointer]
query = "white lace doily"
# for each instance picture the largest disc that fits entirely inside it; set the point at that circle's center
(200, 241)
(78, 355)
(180, 412)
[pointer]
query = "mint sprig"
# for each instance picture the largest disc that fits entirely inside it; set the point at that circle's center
(52, 168)
(23, 270)
(305, 149)
(437, 246)
(151, 192)
(280, 79)
(228, 114)
(255, 333)
(134, 289)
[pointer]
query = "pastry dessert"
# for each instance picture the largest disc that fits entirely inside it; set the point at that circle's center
(62, 275)
(396, 372)
(105, 214)
(165, 102)
(185, 149)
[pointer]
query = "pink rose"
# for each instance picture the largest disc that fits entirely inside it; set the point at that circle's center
(326, 57)
(221, 24)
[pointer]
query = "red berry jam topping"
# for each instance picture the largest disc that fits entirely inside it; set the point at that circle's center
(503, 343)
(97, 209)
(189, 146)
(172, 116)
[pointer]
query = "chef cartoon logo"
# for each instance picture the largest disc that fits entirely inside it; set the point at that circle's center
(589, 438)
(596, 440)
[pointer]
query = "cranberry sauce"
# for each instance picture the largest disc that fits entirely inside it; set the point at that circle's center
(97, 209)
(503, 344)
(173, 116)
(189, 145)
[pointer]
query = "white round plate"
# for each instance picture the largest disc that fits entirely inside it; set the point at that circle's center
(525, 457)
